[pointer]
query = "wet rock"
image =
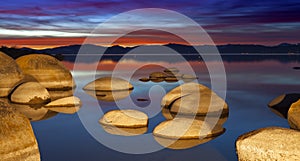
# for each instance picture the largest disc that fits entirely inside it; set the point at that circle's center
(10, 74)
(17, 140)
(281, 104)
(30, 93)
(182, 133)
(192, 99)
(294, 115)
(50, 72)
(109, 84)
(125, 119)
(68, 105)
(272, 143)
(171, 70)
(144, 79)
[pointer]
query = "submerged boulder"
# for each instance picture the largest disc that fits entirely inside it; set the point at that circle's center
(272, 143)
(294, 115)
(10, 74)
(49, 71)
(17, 140)
(30, 93)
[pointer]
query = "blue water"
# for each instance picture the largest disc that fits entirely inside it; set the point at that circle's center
(250, 86)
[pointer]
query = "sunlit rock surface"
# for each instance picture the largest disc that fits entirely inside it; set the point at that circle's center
(30, 93)
(10, 74)
(294, 115)
(68, 105)
(272, 143)
(194, 99)
(108, 84)
(17, 140)
(49, 71)
(181, 133)
(281, 104)
(125, 119)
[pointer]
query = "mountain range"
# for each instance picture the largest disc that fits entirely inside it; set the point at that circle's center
(230, 52)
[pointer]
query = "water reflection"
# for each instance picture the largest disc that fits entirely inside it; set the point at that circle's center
(123, 131)
(109, 96)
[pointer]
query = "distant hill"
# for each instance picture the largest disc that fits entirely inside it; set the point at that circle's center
(230, 52)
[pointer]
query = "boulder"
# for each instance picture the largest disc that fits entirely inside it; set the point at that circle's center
(182, 133)
(171, 70)
(30, 93)
(157, 75)
(10, 74)
(294, 115)
(271, 143)
(68, 105)
(49, 71)
(125, 119)
(192, 99)
(144, 79)
(17, 140)
(109, 84)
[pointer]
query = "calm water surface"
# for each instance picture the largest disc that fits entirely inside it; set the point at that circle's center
(250, 86)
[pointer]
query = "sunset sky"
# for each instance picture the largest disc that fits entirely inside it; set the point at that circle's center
(51, 23)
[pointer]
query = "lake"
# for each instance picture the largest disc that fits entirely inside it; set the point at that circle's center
(250, 86)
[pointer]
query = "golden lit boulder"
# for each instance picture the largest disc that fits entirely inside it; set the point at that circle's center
(281, 104)
(17, 140)
(182, 133)
(10, 74)
(30, 93)
(294, 115)
(67, 105)
(49, 71)
(272, 143)
(109, 84)
(195, 100)
(125, 118)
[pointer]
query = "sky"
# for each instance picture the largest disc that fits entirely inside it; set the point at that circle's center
(50, 23)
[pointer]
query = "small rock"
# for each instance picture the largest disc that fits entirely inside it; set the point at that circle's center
(294, 115)
(142, 99)
(17, 140)
(281, 104)
(10, 74)
(109, 84)
(67, 105)
(125, 119)
(157, 80)
(271, 143)
(171, 79)
(144, 79)
(49, 71)
(30, 93)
